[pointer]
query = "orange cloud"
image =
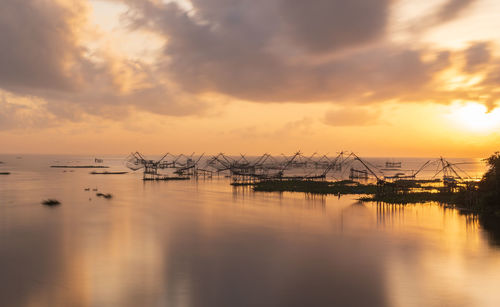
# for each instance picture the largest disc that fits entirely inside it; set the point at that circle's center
(262, 51)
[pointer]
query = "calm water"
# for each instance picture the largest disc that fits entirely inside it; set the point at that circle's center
(203, 243)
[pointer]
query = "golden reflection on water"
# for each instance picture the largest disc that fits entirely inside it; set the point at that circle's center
(205, 243)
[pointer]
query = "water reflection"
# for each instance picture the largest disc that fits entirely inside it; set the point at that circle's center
(492, 225)
(205, 243)
(249, 263)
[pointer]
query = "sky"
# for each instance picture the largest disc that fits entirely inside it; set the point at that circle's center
(378, 77)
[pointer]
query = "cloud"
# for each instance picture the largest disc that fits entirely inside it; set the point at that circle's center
(326, 25)
(260, 51)
(352, 116)
(43, 55)
(256, 51)
(487, 89)
(321, 26)
(480, 61)
(476, 55)
(121, 85)
(451, 10)
(39, 48)
(290, 129)
(20, 114)
(446, 12)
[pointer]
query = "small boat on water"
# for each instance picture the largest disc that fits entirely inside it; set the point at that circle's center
(4, 173)
(108, 173)
(390, 164)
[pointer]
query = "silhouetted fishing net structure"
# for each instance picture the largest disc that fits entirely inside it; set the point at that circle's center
(168, 167)
(246, 170)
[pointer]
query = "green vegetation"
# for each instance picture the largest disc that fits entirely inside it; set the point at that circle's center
(489, 187)
(317, 187)
(398, 192)
(483, 196)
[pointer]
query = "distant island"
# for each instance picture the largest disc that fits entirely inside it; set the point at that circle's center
(79, 166)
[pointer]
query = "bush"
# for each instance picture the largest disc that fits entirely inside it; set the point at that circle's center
(51, 202)
(489, 187)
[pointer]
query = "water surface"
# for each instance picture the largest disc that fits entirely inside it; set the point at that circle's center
(204, 243)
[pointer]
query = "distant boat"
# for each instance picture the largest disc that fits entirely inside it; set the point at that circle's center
(97, 160)
(390, 164)
(4, 173)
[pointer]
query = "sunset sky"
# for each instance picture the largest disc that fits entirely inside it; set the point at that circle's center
(378, 77)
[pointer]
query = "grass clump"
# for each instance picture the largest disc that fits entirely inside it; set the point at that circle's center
(104, 195)
(317, 187)
(51, 202)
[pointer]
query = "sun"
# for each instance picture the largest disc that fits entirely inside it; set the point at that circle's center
(475, 117)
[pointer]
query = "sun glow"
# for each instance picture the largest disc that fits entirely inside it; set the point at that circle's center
(475, 117)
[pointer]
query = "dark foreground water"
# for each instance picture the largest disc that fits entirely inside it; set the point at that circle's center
(203, 243)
